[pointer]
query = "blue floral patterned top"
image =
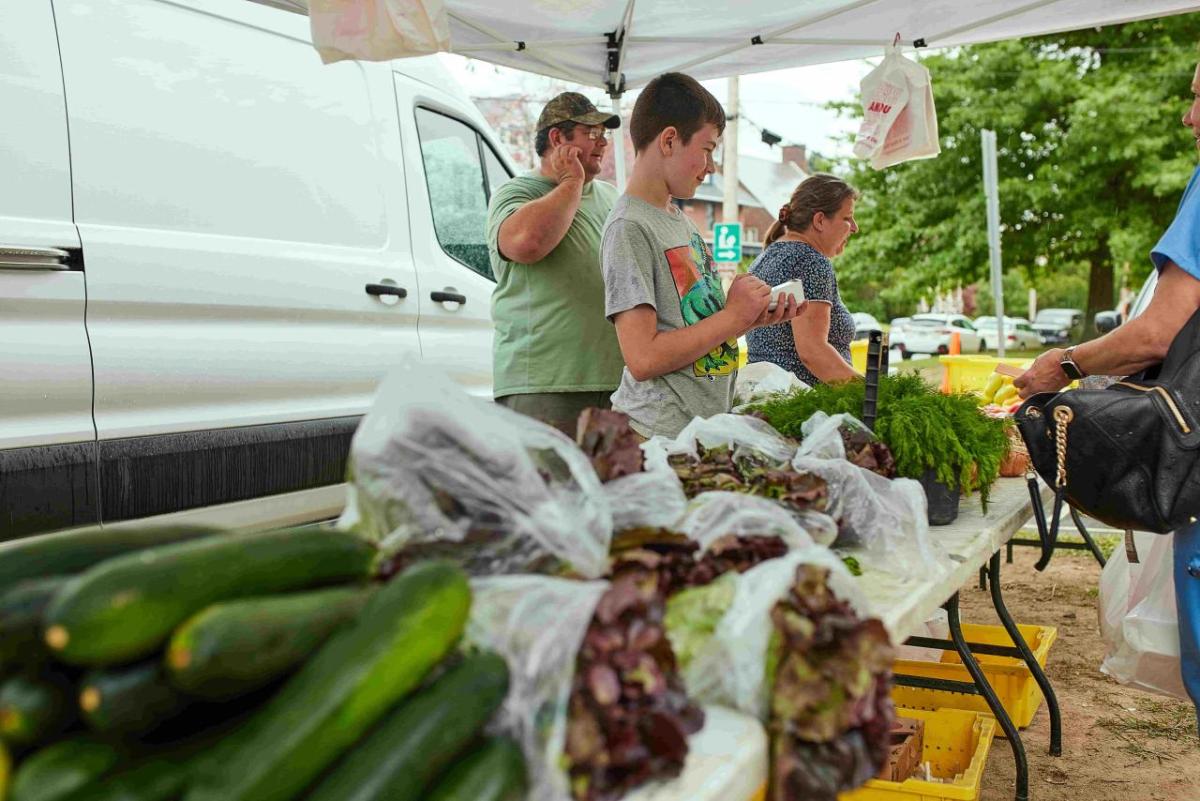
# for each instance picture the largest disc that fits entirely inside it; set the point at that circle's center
(787, 260)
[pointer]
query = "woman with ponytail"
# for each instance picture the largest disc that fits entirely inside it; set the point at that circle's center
(811, 229)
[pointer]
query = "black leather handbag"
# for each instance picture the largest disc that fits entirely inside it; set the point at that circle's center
(1128, 455)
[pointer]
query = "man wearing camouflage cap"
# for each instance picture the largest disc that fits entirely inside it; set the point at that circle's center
(554, 352)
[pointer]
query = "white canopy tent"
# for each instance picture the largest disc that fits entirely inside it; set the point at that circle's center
(621, 44)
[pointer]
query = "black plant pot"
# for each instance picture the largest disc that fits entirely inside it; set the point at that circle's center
(941, 499)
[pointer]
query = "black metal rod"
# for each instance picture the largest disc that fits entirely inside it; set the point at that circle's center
(1027, 655)
(1008, 556)
(983, 578)
(1087, 536)
(976, 647)
(989, 695)
(1049, 536)
(926, 683)
(1059, 546)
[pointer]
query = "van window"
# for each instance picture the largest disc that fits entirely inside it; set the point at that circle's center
(458, 188)
(495, 171)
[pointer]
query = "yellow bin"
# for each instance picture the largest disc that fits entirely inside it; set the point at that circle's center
(971, 373)
(1010, 678)
(956, 748)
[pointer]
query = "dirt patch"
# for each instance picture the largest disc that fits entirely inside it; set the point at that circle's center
(1118, 744)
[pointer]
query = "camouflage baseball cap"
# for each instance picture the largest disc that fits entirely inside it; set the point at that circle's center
(575, 107)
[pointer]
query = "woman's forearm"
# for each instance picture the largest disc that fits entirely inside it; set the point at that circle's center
(826, 363)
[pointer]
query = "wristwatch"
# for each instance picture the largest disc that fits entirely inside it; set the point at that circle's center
(1069, 367)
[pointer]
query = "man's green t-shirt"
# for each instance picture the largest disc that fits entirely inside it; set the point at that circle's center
(551, 332)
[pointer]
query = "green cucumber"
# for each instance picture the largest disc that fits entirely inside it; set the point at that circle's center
(348, 685)
(33, 709)
(495, 771)
(60, 769)
(125, 608)
(72, 551)
(129, 700)
(233, 648)
(417, 741)
(21, 610)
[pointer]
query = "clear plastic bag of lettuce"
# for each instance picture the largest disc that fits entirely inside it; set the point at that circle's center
(790, 642)
(594, 697)
(882, 521)
(436, 472)
(740, 434)
(712, 515)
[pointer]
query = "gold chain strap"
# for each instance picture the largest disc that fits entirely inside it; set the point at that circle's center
(1063, 415)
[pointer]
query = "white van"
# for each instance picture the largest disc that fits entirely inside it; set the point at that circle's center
(212, 247)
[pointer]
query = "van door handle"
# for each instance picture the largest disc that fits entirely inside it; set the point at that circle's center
(447, 297)
(386, 289)
(33, 258)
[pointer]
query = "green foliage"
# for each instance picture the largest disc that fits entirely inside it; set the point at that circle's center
(925, 429)
(1092, 161)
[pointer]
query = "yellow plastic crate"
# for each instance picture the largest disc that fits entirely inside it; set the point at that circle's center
(956, 748)
(1010, 678)
(971, 373)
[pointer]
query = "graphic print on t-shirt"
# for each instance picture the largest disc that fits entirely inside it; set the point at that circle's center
(701, 296)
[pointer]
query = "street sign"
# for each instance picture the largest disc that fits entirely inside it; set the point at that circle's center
(727, 242)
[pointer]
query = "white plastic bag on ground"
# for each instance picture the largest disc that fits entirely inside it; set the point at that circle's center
(431, 466)
(884, 521)
(537, 624)
(899, 119)
(1139, 620)
(712, 515)
(729, 668)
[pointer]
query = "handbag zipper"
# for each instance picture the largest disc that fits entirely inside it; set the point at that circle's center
(1166, 396)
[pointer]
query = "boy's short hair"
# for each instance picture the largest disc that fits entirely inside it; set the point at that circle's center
(673, 100)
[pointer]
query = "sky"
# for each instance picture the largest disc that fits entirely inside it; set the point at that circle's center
(789, 102)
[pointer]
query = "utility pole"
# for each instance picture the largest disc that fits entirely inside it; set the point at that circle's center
(729, 171)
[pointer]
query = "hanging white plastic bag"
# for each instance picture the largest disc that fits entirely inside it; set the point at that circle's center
(882, 521)
(899, 118)
(1139, 618)
(377, 30)
(712, 515)
(437, 472)
(652, 499)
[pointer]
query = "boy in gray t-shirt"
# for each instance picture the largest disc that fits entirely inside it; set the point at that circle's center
(677, 329)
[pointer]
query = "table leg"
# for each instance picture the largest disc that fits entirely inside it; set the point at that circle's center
(985, 689)
(1027, 655)
(1087, 537)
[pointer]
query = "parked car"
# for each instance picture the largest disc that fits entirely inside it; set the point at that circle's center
(864, 324)
(1059, 326)
(896, 334)
(1108, 320)
(263, 237)
(1018, 333)
(930, 333)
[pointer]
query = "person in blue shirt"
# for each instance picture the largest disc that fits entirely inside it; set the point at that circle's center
(1142, 343)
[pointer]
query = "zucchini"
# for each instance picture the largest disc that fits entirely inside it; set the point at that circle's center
(402, 756)
(60, 769)
(152, 779)
(351, 682)
(34, 709)
(124, 609)
(234, 648)
(129, 700)
(21, 610)
(5, 767)
(67, 552)
(495, 771)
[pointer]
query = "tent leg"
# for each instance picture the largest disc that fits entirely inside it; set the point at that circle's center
(619, 144)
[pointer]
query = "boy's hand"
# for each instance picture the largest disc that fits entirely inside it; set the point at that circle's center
(565, 164)
(747, 300)
(786, 309)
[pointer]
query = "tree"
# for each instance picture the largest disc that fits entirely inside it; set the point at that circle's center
(1092, 161)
